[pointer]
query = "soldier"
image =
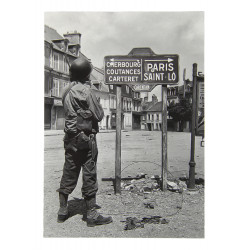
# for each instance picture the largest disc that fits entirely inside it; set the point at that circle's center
(82, 114)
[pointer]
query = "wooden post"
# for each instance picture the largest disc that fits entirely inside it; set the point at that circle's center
(164, 139)
(191, 182)
(118, 141)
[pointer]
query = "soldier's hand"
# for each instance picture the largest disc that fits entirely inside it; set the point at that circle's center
(98, 99)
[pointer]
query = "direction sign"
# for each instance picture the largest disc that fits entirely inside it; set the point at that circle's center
(142, 87)
(137, 70)
(201, 95)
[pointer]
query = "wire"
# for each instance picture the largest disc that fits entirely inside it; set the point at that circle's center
(179, 207)
(147, 162)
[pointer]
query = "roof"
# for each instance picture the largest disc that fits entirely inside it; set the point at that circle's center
(83, 56)
(156, 108)
(144, 51)
(51, 34)
(97, 75)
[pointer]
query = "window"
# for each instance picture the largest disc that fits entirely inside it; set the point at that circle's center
(55, 88)
(65, 84)
(111, 102)
(148, 116)
(111, 86)
(152, 117)
(104, 103)
(65, 65)
(157, 117)
(55, 61)
(127, 89)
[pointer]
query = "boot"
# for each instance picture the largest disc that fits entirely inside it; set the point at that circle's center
(84, 218)
(97, 206)
(93, 217)
(63, 213)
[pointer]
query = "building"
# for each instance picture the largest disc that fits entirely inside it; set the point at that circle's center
(60, 52)
(154, 117)
(152, 112)
(131, 107)
(102, 91)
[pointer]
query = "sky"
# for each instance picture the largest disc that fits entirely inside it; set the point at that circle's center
(117, 33)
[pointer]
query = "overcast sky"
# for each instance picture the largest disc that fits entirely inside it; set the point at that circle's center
(117, 33)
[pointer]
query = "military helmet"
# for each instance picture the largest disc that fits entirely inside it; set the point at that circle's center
(80, 69)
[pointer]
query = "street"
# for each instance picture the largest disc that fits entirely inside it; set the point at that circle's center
(141, 153)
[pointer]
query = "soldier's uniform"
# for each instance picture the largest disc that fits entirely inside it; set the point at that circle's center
(82, 114)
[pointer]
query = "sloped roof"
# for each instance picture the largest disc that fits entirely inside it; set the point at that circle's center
(51, 34)
(144, 51)
(156, 108)
(98, 76)
(83, 56)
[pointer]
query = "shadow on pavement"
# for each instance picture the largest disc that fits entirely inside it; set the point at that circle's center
(76, 206)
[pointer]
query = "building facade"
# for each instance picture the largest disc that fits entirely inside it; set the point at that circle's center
(59, 53)
(131, 107)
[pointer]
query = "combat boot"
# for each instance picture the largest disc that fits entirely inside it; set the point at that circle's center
(96, 205)
(63, 213)
(93, 217)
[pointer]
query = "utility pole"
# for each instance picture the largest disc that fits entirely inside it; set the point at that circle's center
(191, 182)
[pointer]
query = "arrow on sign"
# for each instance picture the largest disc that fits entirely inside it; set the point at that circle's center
(167, 60)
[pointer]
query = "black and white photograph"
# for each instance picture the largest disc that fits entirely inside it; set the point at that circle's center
(124, 119)
(104, 143)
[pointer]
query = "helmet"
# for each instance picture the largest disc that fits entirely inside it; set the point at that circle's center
(80, 69)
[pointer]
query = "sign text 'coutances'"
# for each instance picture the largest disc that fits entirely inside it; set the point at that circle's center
(160, 69)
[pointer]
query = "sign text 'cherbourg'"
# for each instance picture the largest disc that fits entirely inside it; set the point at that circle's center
(136, 70)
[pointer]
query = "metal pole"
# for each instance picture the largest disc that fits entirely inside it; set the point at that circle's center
(191, 182)
(197, 105)
(118, 141)
(164, 139)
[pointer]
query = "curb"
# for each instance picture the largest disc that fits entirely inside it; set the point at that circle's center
(61, 132)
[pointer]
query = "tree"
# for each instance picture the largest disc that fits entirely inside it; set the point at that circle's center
(181, 112)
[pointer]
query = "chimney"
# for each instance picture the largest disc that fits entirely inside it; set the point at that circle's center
(74, 37)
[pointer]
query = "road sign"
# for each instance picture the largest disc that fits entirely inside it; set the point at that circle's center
(141, 73)
(137, 70)
(201, 95)
(142, 87)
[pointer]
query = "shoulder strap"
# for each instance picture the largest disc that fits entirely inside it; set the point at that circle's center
(72, 84)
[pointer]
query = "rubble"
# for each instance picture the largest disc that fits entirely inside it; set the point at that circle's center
(133, 222)
(149, 205)
(143, 184)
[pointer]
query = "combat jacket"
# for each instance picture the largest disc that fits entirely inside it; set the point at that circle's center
(80, 98)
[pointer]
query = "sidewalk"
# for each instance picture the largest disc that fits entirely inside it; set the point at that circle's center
(61, 132)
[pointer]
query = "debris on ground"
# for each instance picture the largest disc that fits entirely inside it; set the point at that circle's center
(133, 222)
(143, 184)
(149, 205)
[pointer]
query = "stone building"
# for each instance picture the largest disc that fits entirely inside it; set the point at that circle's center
(59, 53)
(131, 107)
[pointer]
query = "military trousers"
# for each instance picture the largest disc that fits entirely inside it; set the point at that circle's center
(76, 160)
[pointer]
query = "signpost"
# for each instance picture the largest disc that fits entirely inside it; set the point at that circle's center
(141, 73)
(191, 182)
